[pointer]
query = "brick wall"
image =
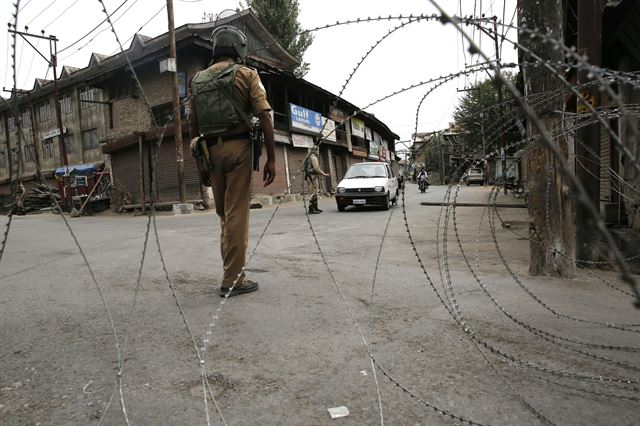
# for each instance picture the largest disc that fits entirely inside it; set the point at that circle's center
(130, 114)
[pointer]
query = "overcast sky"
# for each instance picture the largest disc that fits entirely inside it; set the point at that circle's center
(417, 52)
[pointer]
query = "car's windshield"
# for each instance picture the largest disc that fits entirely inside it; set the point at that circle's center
(475, 171)
(366, 171)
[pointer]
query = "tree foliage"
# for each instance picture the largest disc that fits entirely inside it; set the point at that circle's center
(480, 106)
(280, 17)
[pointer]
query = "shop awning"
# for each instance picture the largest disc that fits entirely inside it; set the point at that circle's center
(78, 169)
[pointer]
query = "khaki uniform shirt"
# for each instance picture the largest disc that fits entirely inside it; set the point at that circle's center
(315, 164)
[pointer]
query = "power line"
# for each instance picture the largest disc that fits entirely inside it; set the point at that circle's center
(93, 29)
(41, 12)
(61, 13)
(103, 30)
(25, 5)
(140, 29)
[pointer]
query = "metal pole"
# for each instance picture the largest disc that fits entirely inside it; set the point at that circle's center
(36, 150)
(176, 105)
(63, 147)
(485, 171)
(500, 105)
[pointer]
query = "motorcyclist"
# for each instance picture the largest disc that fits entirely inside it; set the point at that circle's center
(423, 182)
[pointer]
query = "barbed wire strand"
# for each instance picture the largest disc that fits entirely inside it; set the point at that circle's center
(451, 308)
(201, 360)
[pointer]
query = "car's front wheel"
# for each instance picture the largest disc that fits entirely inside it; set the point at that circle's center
(387, 202)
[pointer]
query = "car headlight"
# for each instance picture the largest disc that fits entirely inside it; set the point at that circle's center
(341, 190)
(379, 188)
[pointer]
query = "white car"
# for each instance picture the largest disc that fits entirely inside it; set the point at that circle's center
(368, 184)
(474, 175)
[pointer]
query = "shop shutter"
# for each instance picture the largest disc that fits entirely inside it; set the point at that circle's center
(126, 172)
(167, 178)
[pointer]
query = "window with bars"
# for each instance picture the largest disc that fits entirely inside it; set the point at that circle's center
(14, 155)
(90, 139)
(47, 149)
(12, 123)
(65, 104)
(88, 94)
(123, 88)
(45, 112)
(26, 119)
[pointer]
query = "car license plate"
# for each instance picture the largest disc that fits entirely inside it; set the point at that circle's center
(359, 201)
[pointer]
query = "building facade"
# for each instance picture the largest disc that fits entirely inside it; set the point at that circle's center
(106, 119)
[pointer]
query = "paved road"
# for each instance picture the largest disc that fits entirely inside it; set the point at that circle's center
(287, 353)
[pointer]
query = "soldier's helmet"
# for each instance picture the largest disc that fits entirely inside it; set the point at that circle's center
(230, 37)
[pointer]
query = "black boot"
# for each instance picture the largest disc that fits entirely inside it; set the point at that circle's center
(311, 209)
(315, 206)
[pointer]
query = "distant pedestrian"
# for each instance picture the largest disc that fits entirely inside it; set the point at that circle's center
(312, 171)
(20, 194)
(224, 96)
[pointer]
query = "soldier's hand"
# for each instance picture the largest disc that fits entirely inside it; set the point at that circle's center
(269, 172)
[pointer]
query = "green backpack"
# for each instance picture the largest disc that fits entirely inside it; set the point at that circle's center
(215, 110)
(307, 167)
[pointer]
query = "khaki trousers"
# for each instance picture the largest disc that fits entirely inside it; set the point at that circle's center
(312, 180)
(231, 184)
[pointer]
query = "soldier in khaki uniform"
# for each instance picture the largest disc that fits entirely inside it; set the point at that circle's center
(219, 117)
(312, 172)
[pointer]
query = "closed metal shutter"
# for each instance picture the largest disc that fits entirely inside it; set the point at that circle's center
(126, 172)
(168, 189)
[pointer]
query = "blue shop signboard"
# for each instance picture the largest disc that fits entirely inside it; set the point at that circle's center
(305, 119)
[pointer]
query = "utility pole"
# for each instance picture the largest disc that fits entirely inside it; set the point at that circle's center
(34, 139)
(551, 201)
(485, 170)
(177, 120)
(53, 62)
(588, 138)
(498, 86)
(500, 106)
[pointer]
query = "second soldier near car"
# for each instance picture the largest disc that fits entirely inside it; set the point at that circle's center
(312, 171)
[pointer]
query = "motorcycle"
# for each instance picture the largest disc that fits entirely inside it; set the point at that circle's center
(423, 184)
